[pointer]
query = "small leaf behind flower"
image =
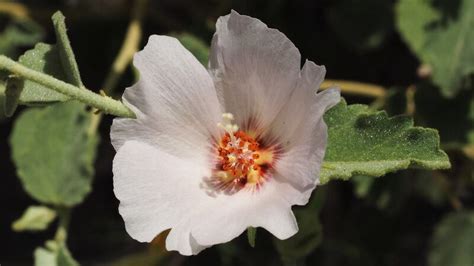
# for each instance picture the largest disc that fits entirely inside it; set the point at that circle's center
(55, 60)
(35, 218)
(293, 251)
(195, 45)
(14, 87)
(19, 33)
(2, 100)
(453, 241)
(66, 55)
(363, 142)
(54, 152)
(54, 254)
(251, 235)
(440, 34)
(43, 58)
(44, 257)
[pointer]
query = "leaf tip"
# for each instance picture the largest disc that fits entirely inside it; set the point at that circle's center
(251, 235)
(58, 17)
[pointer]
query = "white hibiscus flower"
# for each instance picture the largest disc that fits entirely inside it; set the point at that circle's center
(213, 152)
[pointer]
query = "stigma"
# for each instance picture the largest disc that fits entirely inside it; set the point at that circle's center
(241, 161)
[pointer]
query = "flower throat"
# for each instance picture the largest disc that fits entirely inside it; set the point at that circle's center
(241, 160)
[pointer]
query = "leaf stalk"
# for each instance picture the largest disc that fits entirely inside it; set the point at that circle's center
(103, 103)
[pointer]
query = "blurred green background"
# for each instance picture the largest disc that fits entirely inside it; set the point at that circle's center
(419, 52)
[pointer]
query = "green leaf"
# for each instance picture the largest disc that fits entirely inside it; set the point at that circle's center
(54, 152)
(294, 250)
(43, 58)
(195, 45)
(66, 54)
(470, 135)
(14, 87)
(251, 235)
(64, 257)
(55, 60)
(440, 34)
(431, 187)
(55, 254)
(363, 142)
(412, 22)
(453, 241)
(35, 218)
(2, 100)
(362, 185)
(19, 33)
(44, 257)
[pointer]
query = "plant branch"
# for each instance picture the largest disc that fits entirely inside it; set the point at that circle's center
(129, 47)
(469, 151)
(16, 10)
(356, 88)
(105, 104)
(124, 57)
(64, 216)
(410, 98)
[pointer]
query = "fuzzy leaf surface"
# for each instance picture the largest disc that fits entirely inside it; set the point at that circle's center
(54, 153)
(55, 254)
(66, 54)
(43, 58)
(440, 34)
(364, 142)
(35, 218)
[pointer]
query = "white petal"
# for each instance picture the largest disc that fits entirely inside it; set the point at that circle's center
(296, 113)
(158, 191)
(225, 217)
(255, 69)
(230, 215)
(180, 239)
(175, 101)
(301, 130)
(301, 164)
(294, 194)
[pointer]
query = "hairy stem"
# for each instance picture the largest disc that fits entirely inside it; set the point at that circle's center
(64, 215)
(356, 88)
(68, 59)
(105, 104)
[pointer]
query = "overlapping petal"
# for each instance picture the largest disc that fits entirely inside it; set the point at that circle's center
(174, 99)
(255, 68)
(303, 153)
(158, 191)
